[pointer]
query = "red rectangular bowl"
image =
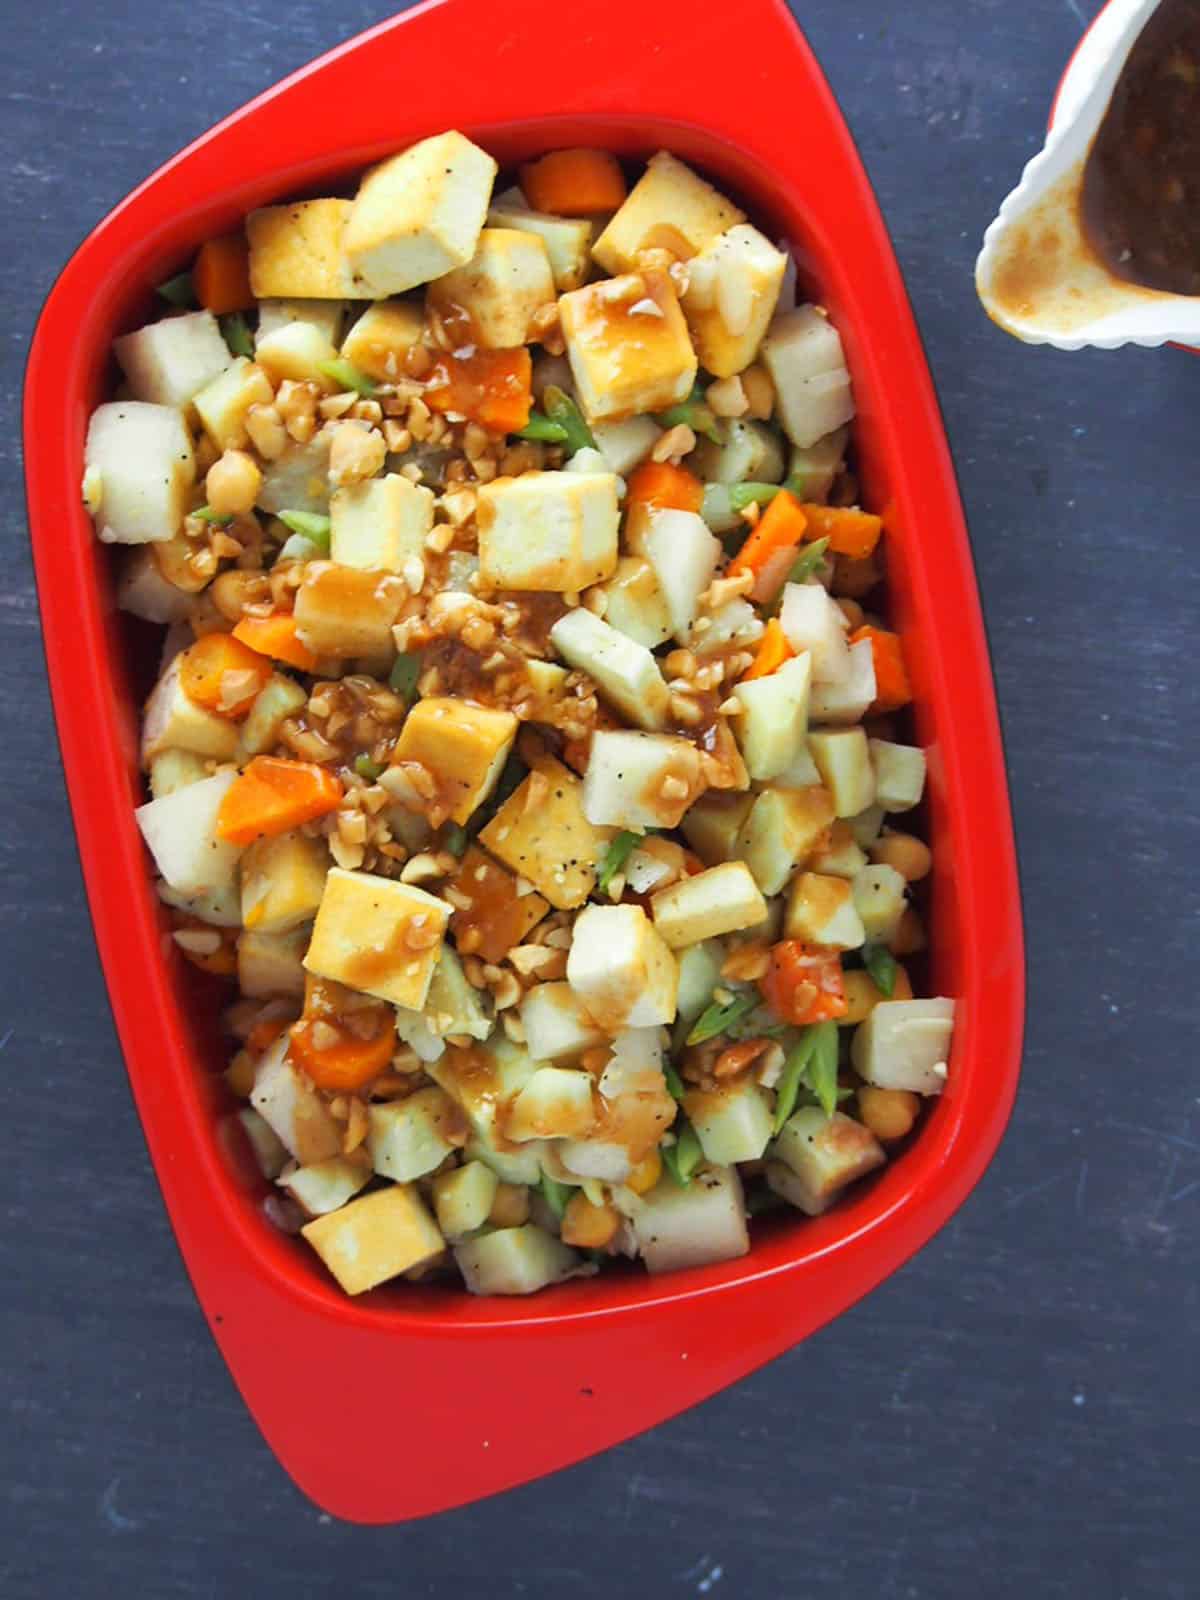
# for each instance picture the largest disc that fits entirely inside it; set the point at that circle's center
(413, 1399)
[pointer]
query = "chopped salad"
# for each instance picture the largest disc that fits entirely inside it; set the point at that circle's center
(528, 751)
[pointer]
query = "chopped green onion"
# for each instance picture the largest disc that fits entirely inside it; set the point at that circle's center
(541, 427)
(718, 1018)
(235, 330)
(615, 857)
(455, 838)
(178, 291)
(311, 524)
(347, 376)
(808, 561)
(812, 1065)
(554, 1193)
(366, 768)
(742, 495)
(207, 514)
(787, 1090)
(674, 1082)
(695, 414)
(403, 677)
(560, 408)
(882, 965)
(683, 1157)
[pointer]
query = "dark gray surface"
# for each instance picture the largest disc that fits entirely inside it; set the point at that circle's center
(1013, 1414)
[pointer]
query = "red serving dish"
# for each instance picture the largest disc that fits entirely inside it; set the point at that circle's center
(413, 1399)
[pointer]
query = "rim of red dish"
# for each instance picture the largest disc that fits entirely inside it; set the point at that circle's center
(810, 1270)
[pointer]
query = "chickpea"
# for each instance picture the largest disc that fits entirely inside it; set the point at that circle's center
(888, 1113)
(853, 577)
(587, 1226)
(911, 858)
(909, 936)
(862, 996)
(510, 1208)
(232, 484)
(759, 391)
(646, 1174)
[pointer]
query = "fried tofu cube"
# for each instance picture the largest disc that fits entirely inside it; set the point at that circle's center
(298, 351)
(296, 251)
(410, 1137)
(463, 745)
(723, 899)
(174, 721)
(375, 1237)
(142, 456)
(504, 283)
(821, 910)
(271, 964)
(568, 240)
(556, 1024)
(490, 914)
(782, 828)
(628, 345)
(626, 673)
(843, 759)
(287, 1101)
(166, 362)
(325, 315)
(283, 879)
(222, 404)
(671, 208)
(379, 936)
(543, 835)
(378, 524)
(712, 825)
(640, 780)
(381, 338)
(620, 967)
(732, 293)
(343, 612)
(548, 531)
(418, 215)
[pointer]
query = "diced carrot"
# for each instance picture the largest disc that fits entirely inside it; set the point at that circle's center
(491, 387)
(347, 1062)
(660, 484)
(221, 274)
(891, 675)
(274, 795)
(773, 651)
(223, 674)
(574, 183)
(264, 1034)
(779, 531)
(804, 984)
(275, 636)
(850, 532)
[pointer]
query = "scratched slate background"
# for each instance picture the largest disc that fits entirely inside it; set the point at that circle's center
(1012, 1413)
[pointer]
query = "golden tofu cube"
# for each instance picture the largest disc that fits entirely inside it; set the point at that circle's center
(504, 283)
(343, 612)
(493, 916)
(418, 215)
(541, 833)
(296, 251)
(379, 936)
(628, 345)
(382, 337)
(375, 1237)
(732, 292)
(283, 880)
(669, 208)
(377, 525)
(548, 531)
(723, 899)
(463, 745)
(568, 240)
(222, 404)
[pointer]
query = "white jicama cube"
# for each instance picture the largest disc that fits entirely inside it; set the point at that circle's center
(635, 605)
(593, 1158)
(297, 350)
(279, 698)
(636, 1063)
(821, 910)
(640, 780)
(556, 1103)
(867, 825)
(841, 856)
(181, 831)
(418, 215)
(542, 834)
(670, 207)
(800, 773)
(462, 1198)
(848, 699)
(803, 354)
(223, 403)
(271, 964)
(684, 555)
(283, 879)
(750, 452)
(175, 769)
(812, 621)
(620, 968)
(380, 524)
(693, 1227)
(625, 444)
(382, 336)
(453, 1003)
(626, 673)
(514, 1261)
(142, 455)
(781, 829)
(548, 531)
(879, 898)
(733, 1121)
(296, 251)
(567, 239)
(723, 899)
(144, 592)
(905, 1044)
(167, 362)
(504, 283)
(732, 293)
(514, 1164)
(408, 1138)
(773, 720)
(219, 907)
(699, 974)
(362, 936)
(343, 612)
(713, 823)
(507, 1067)
(899, 774)
(327, 1185)
(298, 480)
(556, 1024)
(285, 1098)
(462, 744)
(815, 467)
(324, 314)
(844, 761)
(628, 346)
(375, 1237)
(816, 1156)
(268, 1148)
